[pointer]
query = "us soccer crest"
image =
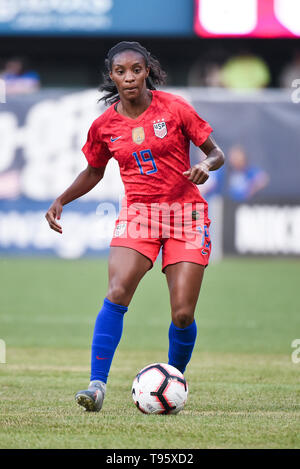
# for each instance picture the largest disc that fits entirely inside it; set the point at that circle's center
(120, 229)
(138, 135)
(160, 128)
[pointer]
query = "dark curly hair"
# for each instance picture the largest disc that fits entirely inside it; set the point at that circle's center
(156, 75)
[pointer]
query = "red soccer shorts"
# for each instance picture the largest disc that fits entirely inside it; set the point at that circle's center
(182, 232)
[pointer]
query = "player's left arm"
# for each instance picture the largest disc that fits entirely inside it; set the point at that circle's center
(199, 173)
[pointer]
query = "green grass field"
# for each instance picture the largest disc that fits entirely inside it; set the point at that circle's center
(244, 387)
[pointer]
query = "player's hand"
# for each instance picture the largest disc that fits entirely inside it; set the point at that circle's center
(54, 214)
(198, 174)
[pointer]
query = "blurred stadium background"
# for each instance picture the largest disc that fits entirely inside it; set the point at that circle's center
(238, 64)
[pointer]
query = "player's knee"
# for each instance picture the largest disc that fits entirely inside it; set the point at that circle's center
(118, 294)
(182, 317)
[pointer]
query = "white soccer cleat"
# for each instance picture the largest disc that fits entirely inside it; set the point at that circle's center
(92, 398)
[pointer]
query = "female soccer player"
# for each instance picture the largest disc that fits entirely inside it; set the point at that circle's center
(148, 132)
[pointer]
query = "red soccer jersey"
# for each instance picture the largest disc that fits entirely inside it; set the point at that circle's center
(152, 150)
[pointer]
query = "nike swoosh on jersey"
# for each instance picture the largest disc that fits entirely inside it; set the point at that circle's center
(114, 139)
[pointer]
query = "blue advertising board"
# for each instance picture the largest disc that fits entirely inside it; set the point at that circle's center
(96, 17)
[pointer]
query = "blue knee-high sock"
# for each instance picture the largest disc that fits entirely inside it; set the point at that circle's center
(181, 344)
(107, 334)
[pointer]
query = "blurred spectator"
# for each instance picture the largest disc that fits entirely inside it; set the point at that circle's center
(206, 70)
(205, 74)
(18, 79)
(291, 71)
(244, 180)
(245, 71)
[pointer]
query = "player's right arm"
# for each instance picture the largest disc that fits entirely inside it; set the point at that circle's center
(84, 182)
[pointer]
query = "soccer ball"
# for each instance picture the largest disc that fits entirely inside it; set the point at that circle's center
(159, 389)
